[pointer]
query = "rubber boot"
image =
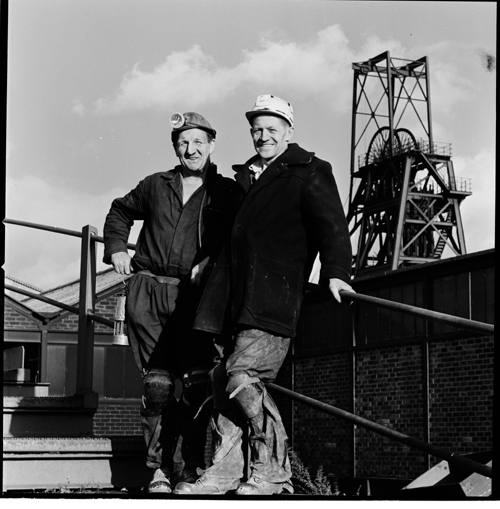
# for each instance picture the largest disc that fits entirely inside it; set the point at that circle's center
(270, 469)
(228, 463)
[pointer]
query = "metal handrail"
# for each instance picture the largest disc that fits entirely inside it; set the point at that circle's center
(435, 316)
(66, 307)
(36, 226)
(48, 300)
(458, 461)
(55, 229)
(384, 303)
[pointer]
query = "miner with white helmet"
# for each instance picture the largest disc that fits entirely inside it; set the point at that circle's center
(291, 211)
(187, 213)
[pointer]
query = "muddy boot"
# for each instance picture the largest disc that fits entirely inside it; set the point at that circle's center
(270, 465)
(161, 481)
(227, 467)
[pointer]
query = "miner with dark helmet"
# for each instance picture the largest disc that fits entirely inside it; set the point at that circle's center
(187, 213)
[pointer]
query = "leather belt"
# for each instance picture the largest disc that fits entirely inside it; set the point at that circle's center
(161, 279)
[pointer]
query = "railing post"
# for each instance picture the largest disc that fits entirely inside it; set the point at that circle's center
(85, 359)
(43, 355)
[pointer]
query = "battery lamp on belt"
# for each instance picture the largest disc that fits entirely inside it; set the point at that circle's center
(119, 336)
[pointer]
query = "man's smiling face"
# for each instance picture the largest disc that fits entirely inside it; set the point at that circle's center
(193, 148)
(270, 135)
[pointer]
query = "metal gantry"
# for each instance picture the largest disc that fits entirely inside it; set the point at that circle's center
(404, 199)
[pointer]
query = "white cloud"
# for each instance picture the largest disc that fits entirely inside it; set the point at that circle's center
(47, 259)
(375, 46)
(449, 87)
(189, 75)
(320, 68)
(78, 107)
(478, 210)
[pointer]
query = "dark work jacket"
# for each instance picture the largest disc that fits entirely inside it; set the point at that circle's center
(287, 216)
(164, 246)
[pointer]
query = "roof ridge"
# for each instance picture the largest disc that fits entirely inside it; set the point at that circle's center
(27, 285)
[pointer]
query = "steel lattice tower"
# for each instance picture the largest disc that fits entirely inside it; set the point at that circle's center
(404, 199)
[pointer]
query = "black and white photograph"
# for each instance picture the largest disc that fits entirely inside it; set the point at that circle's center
(249, 251)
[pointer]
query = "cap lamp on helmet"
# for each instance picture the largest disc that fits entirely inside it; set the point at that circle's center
(189, 120)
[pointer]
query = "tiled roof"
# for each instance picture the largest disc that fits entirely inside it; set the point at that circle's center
(21, 284)
(69, 293)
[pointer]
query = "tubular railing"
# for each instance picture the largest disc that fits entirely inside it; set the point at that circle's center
(458, 461)
(52, 302)
(86, 341)
(435, 316)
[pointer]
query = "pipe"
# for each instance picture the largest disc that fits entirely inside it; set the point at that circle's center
(36, 226)
(458, 461)
(435, 316)
(55, 229)
(60, 305)
(53, 302)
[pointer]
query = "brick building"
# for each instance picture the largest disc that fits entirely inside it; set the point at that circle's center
(428, 380)
(117, 380)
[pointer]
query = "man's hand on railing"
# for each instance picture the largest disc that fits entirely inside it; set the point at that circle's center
(121, 263)
(336, 285)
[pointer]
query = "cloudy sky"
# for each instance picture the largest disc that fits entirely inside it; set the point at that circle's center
(92, 85)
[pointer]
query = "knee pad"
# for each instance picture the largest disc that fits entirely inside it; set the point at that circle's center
(157, 391)
(248, 393)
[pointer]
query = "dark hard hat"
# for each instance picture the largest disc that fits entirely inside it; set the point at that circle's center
(189, 120)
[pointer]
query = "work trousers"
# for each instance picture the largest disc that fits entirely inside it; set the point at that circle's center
(159, 323)
(242, 403)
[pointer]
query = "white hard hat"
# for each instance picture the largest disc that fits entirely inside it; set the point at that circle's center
(271, 105)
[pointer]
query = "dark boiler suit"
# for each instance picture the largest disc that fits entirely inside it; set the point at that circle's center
(162, 302)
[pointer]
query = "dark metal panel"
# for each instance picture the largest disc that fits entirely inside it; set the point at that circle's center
(409, 322)
(56, 358)
(482, 294)
(396, 295)
(99, 370)
(420, 297)
(71, 338)
(132, 375)
(370, 318)
(462, 302)
(113, 366)
(323, 325)
(478, 294)
(490, 294)
(443, 300)
(361, 324)
(71, 369)
(384, 330)
(26, 336)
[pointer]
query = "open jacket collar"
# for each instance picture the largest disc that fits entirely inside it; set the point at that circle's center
(173, 177)
(293, 155)
(177, 170)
